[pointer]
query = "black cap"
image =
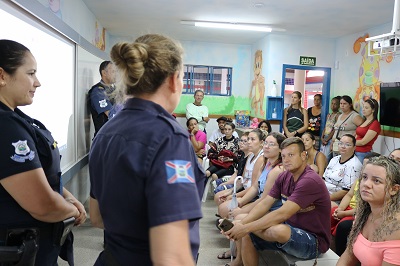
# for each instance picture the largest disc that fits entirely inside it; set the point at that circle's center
(222, 118)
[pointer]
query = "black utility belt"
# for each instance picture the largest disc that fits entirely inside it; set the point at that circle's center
(56, 232)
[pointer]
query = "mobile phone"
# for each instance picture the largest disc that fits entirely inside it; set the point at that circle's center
(225, 225)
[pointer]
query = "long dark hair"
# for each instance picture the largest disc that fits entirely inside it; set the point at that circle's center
(375, 106)
(279, 139)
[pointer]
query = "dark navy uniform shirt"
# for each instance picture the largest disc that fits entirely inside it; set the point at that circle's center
(25, 145)
(144, 173)
(99, 103)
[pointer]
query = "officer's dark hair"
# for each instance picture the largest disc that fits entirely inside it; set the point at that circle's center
(191, 118)
(12, 55)
(103, 66)
(144, 64)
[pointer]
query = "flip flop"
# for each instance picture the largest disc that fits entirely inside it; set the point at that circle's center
(224, 256)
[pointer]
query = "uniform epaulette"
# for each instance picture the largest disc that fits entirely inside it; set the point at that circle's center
(176, 127)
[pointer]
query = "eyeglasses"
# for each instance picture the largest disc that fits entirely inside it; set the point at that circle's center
(270, 144)
(347, 145)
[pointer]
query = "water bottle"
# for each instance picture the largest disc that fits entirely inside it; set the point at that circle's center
(274, 91)
(274, 114)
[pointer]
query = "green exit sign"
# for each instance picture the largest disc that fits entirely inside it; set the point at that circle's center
(308, 61)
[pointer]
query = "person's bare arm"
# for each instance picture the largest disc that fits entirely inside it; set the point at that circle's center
(367, 138)
(253, 190)
(170, 245)
(284, 124)
(272, 176)
(321, 163)
(338, 195)
(33, 193)
(347, 259)
(71, 199)
(95, 216)
(358, 120)
(305, 123)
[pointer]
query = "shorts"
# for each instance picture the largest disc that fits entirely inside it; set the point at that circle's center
(301, 244)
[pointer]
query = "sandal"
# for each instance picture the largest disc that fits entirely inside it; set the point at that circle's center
(224, 256)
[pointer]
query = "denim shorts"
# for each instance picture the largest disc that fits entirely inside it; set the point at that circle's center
(301, 244)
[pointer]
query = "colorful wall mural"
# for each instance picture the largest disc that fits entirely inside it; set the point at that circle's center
(369, 72)
(257, 90)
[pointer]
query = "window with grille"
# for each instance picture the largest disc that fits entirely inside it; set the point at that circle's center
(213, 80)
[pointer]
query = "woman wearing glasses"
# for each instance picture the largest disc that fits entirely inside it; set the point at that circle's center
(342, 170)
(367, 132)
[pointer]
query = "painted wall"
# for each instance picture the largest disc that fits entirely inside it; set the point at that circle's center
(217, 54)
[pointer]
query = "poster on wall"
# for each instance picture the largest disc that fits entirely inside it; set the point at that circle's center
(242, 118)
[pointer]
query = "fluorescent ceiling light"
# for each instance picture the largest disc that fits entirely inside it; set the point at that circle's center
(227, 25)
(315, 73)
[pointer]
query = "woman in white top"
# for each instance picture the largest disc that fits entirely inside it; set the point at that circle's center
(346, 123)
(342, 170)
(251, 171)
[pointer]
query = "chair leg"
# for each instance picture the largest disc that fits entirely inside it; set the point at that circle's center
(206, 190)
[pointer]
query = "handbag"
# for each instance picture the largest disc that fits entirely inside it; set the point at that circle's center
(335, 145)
(224, 164)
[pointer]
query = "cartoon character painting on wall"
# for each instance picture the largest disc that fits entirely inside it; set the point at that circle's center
(369, 72)
(55, 7)
(257, 87)
(100, 38)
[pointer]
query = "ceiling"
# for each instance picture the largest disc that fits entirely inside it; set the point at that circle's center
(330, 19)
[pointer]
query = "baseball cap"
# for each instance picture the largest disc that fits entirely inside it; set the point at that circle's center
(223, 118)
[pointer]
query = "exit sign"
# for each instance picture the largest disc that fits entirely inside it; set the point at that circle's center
(308, 61)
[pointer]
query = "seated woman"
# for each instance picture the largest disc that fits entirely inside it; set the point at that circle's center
(197, 137)
(315, 159)
(375, 236)
(227, 143)
(271, 168)
(243, 154)
(251, 172)
(367, 132)
(265, 125)
(342, 170)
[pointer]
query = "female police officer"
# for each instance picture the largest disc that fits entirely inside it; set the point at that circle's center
(31, 193)
(146, 182)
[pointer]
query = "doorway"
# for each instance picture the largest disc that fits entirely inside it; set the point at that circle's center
(294, 77)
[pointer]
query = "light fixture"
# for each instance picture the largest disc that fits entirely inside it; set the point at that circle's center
(228, 25)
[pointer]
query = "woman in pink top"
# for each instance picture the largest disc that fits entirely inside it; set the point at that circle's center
(375, 236)
(197, 137)
(367, 132)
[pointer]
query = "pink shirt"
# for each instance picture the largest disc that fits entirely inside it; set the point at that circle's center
(200, 136)
(373, 253)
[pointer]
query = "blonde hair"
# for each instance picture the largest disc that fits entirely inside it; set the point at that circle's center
(144, 64)
(391, 205)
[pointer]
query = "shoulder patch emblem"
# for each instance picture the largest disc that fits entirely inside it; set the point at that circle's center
(103, 103)
(22, 151)
(179, 171)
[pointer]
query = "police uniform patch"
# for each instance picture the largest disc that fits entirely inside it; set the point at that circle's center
(22, 151)
(103, 103)
(179, 171)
